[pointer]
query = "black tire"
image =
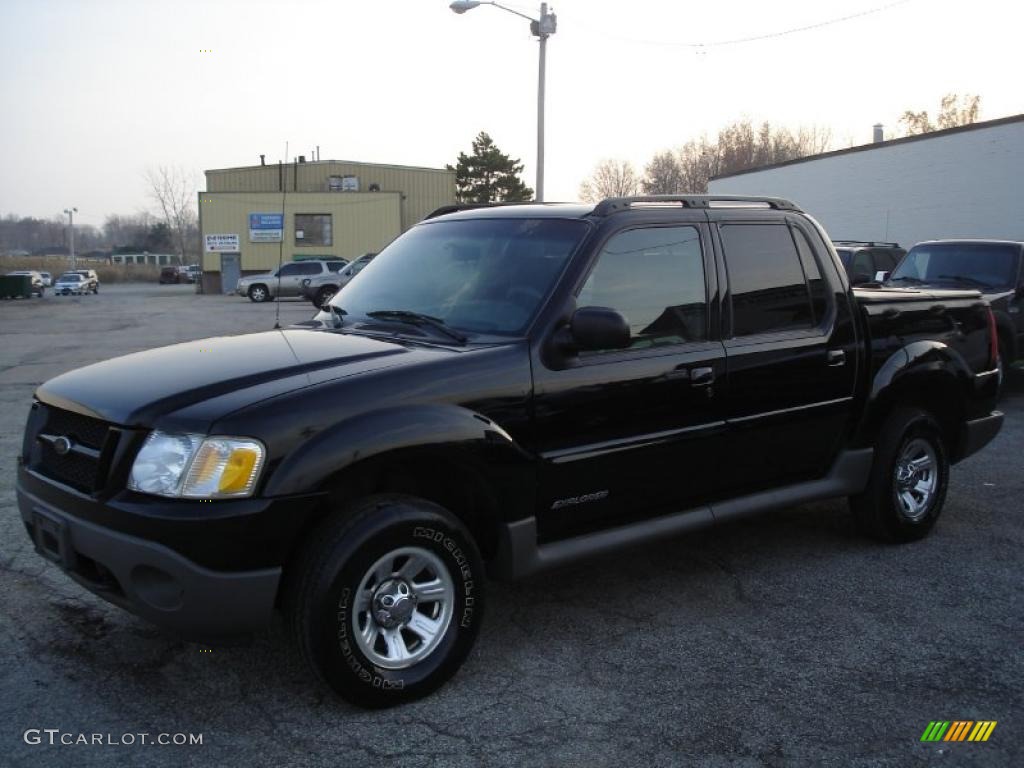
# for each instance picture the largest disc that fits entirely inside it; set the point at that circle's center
(259, 293)
(321, 594)
(323, 295)
(879, 511)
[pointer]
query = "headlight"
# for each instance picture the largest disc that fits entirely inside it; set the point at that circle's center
(196, 467)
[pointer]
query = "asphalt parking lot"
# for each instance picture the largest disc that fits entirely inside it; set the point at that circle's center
(784, 640)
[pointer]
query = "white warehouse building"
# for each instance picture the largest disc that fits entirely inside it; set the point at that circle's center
(961, 182)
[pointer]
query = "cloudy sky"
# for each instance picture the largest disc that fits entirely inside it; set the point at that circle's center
(96, 91)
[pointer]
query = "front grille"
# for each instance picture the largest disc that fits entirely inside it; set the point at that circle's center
(85, 465)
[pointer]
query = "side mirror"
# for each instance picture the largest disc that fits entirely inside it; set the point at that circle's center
(881, 276)
(594, 328)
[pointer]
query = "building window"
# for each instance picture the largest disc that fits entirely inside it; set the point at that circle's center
(313, 229)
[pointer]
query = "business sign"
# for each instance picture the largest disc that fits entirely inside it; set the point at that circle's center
(222, 244)
(266, 227)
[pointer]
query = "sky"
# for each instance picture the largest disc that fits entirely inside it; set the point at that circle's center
(94, 92)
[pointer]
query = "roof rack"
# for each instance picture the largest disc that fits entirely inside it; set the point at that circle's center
(618, 204)
(866, 243)
(456, 207)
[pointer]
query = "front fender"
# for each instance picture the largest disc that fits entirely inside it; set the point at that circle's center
(377, 432)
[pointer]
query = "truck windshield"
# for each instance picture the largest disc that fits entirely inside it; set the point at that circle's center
(477, 275)
(978, 265)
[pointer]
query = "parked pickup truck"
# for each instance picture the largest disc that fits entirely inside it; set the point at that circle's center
(503, 390)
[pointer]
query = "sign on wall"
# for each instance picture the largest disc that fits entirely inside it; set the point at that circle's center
(222, 244)
(266, 227)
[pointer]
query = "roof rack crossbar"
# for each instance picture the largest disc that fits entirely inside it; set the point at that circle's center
(617, 204)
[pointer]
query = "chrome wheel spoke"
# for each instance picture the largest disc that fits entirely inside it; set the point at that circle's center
(429, 591)
(393, 639)
(423, 626)
(412, 567)
(362, 601)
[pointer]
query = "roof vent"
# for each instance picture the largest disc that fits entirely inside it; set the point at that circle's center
(879, 133)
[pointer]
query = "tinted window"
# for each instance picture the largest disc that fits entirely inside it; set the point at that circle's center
(334, 266)
(765, 279)
(812, 271)
(884, 261)
(289, 270)
(862, 265)
(655, 278)
(980, 265)
(309, 268)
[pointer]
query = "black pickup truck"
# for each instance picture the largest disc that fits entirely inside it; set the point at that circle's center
(503, 390)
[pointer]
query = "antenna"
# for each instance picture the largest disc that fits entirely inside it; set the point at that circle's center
(281, 251)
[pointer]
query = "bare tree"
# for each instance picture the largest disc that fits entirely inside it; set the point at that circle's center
(663, 175)
(174, 191)
(738, 147)
(953, 112)
(610, 178)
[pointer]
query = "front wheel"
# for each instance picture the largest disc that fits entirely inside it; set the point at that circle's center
(258, 293)
(909, 479)
(387, 600)
(324, 295)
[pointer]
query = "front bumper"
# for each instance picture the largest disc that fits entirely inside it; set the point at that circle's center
(977, 433)
(147, 576)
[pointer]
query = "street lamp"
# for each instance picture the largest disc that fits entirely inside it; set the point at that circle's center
(541, 28)
(71, 233)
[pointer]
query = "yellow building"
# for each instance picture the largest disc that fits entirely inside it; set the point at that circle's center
(252, 218)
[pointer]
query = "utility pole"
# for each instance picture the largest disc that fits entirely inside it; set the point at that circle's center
(71, 233)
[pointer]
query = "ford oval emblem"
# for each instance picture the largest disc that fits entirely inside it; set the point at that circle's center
(62, 445)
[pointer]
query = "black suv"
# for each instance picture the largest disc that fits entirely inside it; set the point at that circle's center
(863, 260)
(503, 390)
(993, 267)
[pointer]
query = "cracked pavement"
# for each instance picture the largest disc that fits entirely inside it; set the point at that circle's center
(782, 640)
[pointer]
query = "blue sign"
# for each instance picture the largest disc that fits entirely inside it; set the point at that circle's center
(266, 221)
(266, 227)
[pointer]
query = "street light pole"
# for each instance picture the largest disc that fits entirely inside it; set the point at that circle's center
(543, 42)
(71, 233)
(541, 28)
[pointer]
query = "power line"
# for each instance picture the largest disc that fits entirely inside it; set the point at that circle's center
(766, 36)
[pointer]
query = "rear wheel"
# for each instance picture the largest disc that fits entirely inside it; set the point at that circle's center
(386, 601)
(258, 293)
(909, 479)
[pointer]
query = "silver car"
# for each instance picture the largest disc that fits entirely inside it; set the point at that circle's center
(285, 281)
(321, 290)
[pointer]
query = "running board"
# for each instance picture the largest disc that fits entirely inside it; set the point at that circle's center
(519, 555)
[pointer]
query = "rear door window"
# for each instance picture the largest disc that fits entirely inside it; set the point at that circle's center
(766, 280)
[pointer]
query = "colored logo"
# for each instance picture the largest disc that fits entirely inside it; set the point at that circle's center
(958, 730)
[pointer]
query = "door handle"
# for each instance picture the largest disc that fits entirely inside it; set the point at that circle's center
(836, 358)
(702, 377)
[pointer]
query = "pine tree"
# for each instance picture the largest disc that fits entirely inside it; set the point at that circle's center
(489, 175)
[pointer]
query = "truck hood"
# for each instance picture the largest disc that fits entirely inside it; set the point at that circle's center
(135, 389)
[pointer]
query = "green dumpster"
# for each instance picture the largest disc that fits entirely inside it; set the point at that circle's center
(13, 286)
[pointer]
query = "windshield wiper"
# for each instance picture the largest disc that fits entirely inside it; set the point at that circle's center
(966, 279)
(905, 278)
(417, 318)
